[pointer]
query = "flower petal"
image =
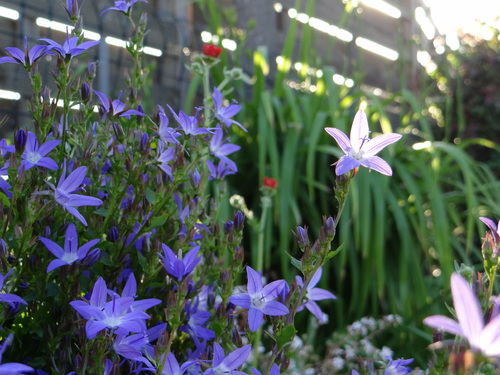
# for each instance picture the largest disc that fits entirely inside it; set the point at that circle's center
(444, 323)
(255, 319)
(377, 164)
(254, 284)
(237, 358)
(375, 145)
(467, 309)
(345, 164)
(359, 130)
(342, 140)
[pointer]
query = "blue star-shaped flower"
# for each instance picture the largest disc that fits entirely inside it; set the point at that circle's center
(260, 299)
(71, 252)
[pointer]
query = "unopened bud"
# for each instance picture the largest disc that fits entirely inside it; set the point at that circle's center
(239, 220)
(143, 145)
(330, 227)
(92, 257)
(4, 251)
(118, 130)
(302, 237)
(85, 91)
(113, 234)
(20, 140)
(91, 70)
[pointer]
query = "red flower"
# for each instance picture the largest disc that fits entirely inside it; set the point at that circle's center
(211, 50)
(270, 182)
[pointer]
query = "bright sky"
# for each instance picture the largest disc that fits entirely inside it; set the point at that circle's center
(449, 15)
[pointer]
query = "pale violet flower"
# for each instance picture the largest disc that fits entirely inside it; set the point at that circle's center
(470, 325)
(360, 149)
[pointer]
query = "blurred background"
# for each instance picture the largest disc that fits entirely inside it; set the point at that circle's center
(425, 69)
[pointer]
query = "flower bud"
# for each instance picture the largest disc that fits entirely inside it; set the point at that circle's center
(143, 145)
(85, 91)
(329, 227)
(120, 134)
(92, 257)
(4, 250)
(195, 178)
(239, 220)
(91, 70)
(20, 140)
(228, 227)
(113, 234)
(302, 237)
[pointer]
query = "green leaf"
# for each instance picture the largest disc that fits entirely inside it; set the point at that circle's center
(285, 336)
(295, 262)
(101, 212)
(159, 221)
(151, 196)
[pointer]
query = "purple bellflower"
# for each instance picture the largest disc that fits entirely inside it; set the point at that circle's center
(71, 252)
(224, 114)
(188, 123)
(70, 48)
(172, 365)
(4, 185)
(219, 172)
(220, 149)
(115, 314)
(9, 297)
(398, 366)
(494, 230)
(131, 347)
(167, 134)
(314, 294)
(115, 108)
(65, 197)
(123, 6)
(260, 300)
(12, 368)
(35, 156)
(230, 364)
(177, 266)
(165, 157)
(5, 148)
(360, 149)
(470, 325)
(275, 370)
(28, 57)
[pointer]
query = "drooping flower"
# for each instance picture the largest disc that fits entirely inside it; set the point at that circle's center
(275, 370)
(360, 149)
(494, 230)
(115, 108)
(219, 172)
(65, 197)
(12, 368)
(70, 48)
(4, 185)
(211, 50)
(132, 346)
(167, 134)
(398, 366)
(260, 299)
(179, 267)
(28, 57)
(9, 297)
(228, 364)
(314, 294)
(114, 314)
(224, 114)
(164, 158)
(220, 149)
(172, 366)
(470, 325)
(35, 156)
(123, 6)
(71, 252)
(5, 148)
